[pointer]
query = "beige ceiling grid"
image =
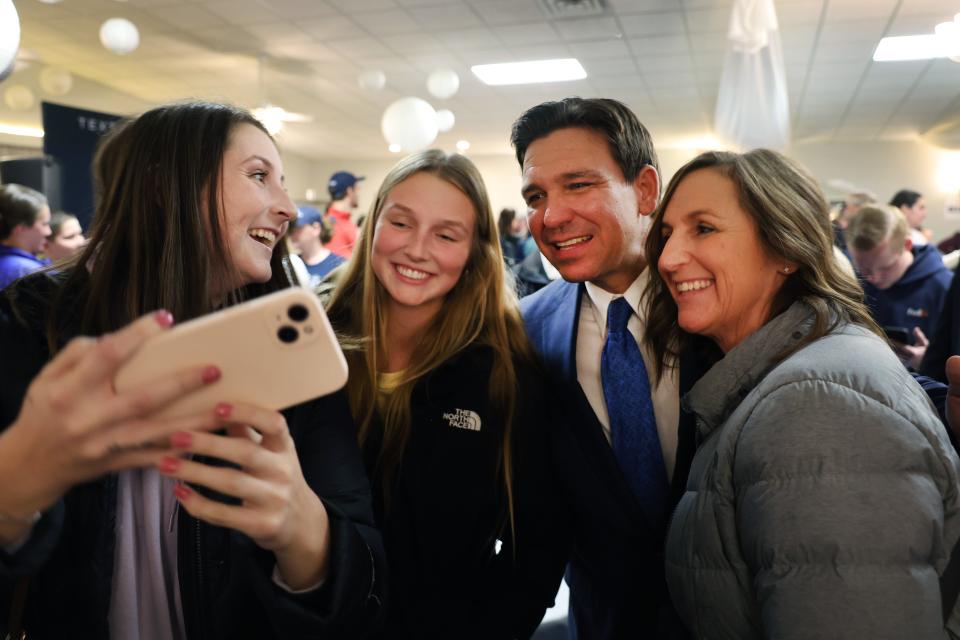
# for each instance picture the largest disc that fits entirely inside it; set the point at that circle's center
(663, 57)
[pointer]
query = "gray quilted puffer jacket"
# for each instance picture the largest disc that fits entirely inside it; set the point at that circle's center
(823, 501)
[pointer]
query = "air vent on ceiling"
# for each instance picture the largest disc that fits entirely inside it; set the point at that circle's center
(574, 8)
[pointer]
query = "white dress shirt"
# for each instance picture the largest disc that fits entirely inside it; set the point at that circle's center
(591, 336)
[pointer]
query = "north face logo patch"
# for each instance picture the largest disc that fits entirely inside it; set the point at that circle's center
(463, 419)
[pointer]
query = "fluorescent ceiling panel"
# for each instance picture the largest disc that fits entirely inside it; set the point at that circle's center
(531, 72)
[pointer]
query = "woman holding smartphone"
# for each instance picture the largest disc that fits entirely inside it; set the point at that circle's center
(451, 410)
(234, 522)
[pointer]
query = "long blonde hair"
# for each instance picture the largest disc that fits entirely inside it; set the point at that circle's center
(480, 309)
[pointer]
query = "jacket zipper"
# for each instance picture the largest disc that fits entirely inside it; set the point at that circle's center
(198, 559)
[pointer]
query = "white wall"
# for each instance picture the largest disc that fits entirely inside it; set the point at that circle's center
(886, 167)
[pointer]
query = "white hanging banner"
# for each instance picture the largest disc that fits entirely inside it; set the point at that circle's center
(753, 109)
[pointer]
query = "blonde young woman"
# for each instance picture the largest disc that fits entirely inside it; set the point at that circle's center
(451, 413)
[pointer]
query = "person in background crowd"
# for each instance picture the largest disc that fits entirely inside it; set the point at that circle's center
(534, 273)
(515, 239)
(851, 204)
(914, 209)
(823, 500)
(454, 419)
(945, 341)
(309, 237)
(343, 188)
(24, 229)
(66, 237)
(905, 285)
(232, 522)
(590, 181)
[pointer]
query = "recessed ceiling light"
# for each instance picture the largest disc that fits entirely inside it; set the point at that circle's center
(395, 148)
(534, 71)
(17, 130)
(921, 47)
(462, 145)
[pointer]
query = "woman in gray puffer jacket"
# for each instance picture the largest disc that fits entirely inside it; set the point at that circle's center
(823, 501)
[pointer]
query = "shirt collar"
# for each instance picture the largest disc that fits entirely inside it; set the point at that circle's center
(548, 268)
(601, 299)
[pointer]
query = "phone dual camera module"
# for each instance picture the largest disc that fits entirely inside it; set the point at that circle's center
(290, 333)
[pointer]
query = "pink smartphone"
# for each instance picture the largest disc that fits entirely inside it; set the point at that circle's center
(273, 352)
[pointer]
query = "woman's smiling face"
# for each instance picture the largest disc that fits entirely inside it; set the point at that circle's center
(720, 275)
(422, 241)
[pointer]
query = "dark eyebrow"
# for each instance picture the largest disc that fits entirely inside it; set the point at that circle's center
(397, 205)
(565, 177)
(283, 179)
(442, 223)
(453, 223)
(585, 173)
(261, 159)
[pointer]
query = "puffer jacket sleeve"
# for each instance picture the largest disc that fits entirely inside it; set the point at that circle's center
(846, 510)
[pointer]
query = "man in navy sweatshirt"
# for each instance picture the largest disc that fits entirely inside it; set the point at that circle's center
(905, 285)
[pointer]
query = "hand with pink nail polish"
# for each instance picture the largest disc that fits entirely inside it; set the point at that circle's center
(73, 426)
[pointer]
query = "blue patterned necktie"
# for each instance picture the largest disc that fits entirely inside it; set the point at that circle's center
(633, 426)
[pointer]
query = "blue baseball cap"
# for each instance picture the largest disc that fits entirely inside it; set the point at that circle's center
(308, 215)
(341, 181)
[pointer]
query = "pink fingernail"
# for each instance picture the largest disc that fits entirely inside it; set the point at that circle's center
(164, 318)
(169, 465)
(182, 491)
(181, 440)
(224, 409)
(210, 374)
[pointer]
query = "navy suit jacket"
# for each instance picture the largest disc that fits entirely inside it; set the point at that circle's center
(617, 586)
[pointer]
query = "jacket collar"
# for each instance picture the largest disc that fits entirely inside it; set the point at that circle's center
(715, 396)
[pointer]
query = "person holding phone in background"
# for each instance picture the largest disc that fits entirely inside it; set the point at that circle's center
(905, 283)
(452, 413)
(233, 522)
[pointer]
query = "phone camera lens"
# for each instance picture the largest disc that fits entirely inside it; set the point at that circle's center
(288, 334)
(298, 313)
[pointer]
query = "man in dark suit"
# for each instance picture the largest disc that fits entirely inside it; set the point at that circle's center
(590, 180)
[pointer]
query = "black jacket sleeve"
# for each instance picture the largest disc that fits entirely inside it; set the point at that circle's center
(350, 602)
(942, 344)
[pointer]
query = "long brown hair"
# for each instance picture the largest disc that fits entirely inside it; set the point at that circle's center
(480, 309)
(791, 216)
(152, 246)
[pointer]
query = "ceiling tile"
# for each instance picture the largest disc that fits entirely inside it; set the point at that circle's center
(295, 9)
(658, 46)
(862, 10)
(383, 23)
(708, 20)
(508, 12)
(186, 16)
(414, 43)
(653, 24)
(480, 38)
(360, 48)
(599, 49)
(361, 6)
(242, 12)
(790, 14)
(588, 29)
(611, 67)
(627, 7)
(526, 34)
(331, 28)
(446, 17)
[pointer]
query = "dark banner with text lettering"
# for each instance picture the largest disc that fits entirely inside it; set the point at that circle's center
(70, 138)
